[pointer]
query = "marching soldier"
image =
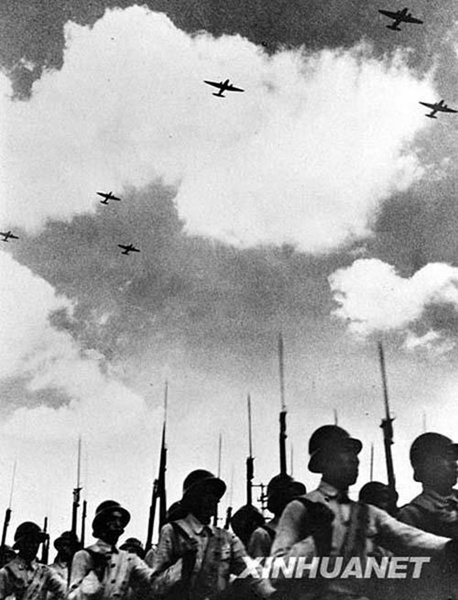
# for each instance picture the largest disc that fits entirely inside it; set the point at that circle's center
(134, 546)
(281, 489)
(245, 521)
(195, 559)
(66, 545)
(103, 571)
(326, 523)
(24, 577)
(433, 457)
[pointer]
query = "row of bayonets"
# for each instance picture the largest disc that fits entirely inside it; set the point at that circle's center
(159, 496)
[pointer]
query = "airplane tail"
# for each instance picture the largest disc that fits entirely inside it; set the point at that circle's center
(219, 95)
(431, 116)
(393, 27)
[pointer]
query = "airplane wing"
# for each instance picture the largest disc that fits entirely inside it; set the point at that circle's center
(115, 198)
(391, 15)
(123, 247)
(431, 106)
(449, 110)
(232, 88)
(103, 194)
(214, 84)
(412, 20)
(133, 249)
(15, 237)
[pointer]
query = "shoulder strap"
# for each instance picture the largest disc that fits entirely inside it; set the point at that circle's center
(179, 530)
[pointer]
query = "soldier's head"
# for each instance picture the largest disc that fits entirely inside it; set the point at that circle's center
(109, 521)
(134, 546)
(245, 520)
(433, 457)
(380, 495)
(281, 489)
(27, 539)
(334, 454)
(201, 493)
(66, 545)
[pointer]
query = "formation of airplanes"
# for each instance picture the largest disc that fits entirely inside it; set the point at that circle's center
(8, 236)
(400, 16)
(437, 107)
(107, 197)
(223, 86)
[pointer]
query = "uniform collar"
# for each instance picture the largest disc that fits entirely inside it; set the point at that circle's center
(332, 493)
(20, 564)
(439, 500)
(195, 526)
(103, 547)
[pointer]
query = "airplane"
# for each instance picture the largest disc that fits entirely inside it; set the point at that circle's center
(224, 86)
(437, 107)
(129, 248)
(401, 16)
(106, 197)
(8, 235)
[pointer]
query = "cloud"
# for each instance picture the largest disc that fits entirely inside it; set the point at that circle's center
(373, 297)
(33, 350)
(304, 156)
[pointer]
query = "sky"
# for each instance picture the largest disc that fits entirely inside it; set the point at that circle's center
(319, 203)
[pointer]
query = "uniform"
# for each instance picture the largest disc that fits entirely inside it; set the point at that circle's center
(30, 581)
(354, 530)
(219, 554)
(116, 571)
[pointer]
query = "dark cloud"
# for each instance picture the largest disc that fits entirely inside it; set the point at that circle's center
(181, 296)
(33, 30)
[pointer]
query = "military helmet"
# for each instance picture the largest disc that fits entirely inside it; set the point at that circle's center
(329, 439)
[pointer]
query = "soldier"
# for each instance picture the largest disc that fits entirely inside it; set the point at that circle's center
(326, 523)
(281, 489)
(380, 495)
(134, 546)
(103, 571)
(66, 545)
(245, 521)
(195, 559)
(433, 457)
(24, 577)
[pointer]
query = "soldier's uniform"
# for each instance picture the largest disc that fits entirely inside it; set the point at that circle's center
(326, 523)
(216, 553)
(102, 570)
(281, 489)
(24, 578)
(30, 581)
(434, 454)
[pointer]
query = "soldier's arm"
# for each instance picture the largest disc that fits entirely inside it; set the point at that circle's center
(403, 539)
(141, 573)
(55, 584)
(242, 563)
(81, 565)
(5, 585)
(289, 539)
(167, 567)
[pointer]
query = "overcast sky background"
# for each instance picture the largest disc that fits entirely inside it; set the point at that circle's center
(320, 202)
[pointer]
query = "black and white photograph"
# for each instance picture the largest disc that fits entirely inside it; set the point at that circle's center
(229, 300)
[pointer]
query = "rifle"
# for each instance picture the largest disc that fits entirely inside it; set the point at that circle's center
(45, 547)
(83, 522)
(387, 424)
(7, 518)
(159, 486)
(77, 491)
(283, 436)
(220, 446)
(250, 459)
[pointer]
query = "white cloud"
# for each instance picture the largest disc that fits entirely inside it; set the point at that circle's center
(99, 405)
(304, 155)
(372, 297)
